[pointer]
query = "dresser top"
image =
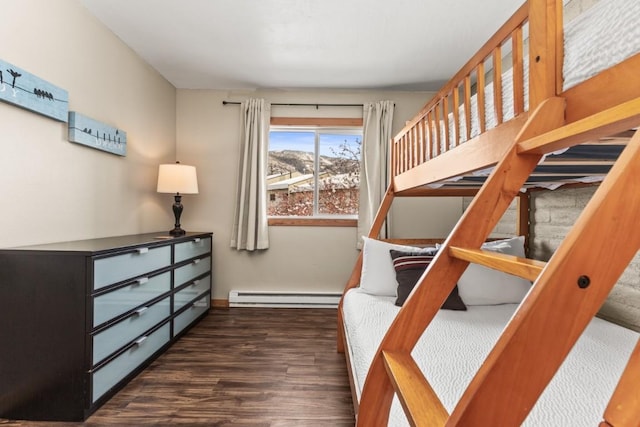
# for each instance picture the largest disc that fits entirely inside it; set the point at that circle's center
(107, 244)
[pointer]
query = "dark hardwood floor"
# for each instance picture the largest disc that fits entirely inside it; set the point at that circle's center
(254, 367)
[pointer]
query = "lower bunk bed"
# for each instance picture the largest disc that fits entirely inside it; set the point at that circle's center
(453, 347)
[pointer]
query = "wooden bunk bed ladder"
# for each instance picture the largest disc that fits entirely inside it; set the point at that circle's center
(393, 369)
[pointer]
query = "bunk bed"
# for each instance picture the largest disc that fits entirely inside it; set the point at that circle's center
(541, 104)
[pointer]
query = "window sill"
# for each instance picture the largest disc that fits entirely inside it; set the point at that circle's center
(312, 222)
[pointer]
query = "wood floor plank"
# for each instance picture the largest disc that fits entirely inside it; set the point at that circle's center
(253, 367)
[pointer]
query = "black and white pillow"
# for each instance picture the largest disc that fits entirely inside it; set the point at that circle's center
(409, 267)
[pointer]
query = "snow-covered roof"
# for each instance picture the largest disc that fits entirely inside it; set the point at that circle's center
(284, 184)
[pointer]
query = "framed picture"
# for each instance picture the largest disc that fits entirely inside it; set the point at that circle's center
(25, 90)
(92, 133)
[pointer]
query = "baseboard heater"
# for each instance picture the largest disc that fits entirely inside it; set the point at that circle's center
(284, 299)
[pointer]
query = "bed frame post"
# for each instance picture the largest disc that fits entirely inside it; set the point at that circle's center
(523, 221)
(545, 50)
(624, 407)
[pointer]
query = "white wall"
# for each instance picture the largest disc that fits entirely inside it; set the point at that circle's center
(54, 190)
(300, 258)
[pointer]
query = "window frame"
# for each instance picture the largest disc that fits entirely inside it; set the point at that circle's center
(317, 125)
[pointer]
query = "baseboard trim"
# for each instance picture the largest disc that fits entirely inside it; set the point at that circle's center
(220, 303)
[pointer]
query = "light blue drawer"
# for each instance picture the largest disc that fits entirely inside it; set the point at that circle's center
(192, 248)
(197, 287)
(112, 304)
(117, 268)
(187, 317)
(192, 270)
(111, 373)
(125, 331)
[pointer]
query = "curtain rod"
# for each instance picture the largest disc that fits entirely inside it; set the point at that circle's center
(300, 105)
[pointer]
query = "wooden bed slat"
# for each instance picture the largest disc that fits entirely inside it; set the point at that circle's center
(497, 84)
(436, 124)
(480, 97)
(518, 72)
(432, 151)
(445, 122)
(420, 402)
(467, 107)
(415, 241)
(522, 267)
(456, 116)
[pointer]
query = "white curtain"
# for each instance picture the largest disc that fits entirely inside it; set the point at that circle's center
(374, 170)
(250, 229)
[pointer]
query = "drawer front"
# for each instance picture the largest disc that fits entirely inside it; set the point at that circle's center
(125, 331)
(187, 317)
(110, 374)
(192, 270)
(107, 271)
(112, 304)
(192, 248)
(197, 287)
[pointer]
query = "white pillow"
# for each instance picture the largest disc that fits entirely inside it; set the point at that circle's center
(480, 285)
(378, 275)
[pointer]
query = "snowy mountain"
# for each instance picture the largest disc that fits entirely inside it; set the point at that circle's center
(302, 162)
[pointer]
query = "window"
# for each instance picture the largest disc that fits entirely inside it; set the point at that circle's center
(314, 171)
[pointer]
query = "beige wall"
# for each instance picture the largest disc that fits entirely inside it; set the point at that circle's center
(303, 259)
(65, 191)
(52, 189)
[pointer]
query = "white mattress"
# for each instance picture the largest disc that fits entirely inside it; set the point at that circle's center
(453, 347)
(604, 35)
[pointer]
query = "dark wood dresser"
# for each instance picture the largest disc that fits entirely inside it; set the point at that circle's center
(79, 319)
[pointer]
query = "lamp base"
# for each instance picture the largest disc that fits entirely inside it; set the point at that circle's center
(177, 211)
(177, 232)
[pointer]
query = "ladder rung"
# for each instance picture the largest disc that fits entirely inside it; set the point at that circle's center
(624, 407)
(421, 404)
(612, 120)
(522, 267)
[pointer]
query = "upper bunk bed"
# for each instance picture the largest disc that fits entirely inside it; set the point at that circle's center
(592, 65)
(542, 104)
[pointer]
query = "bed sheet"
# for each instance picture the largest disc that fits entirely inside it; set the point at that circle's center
(453, 347)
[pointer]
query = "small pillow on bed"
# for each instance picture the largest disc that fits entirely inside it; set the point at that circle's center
(480, 285)
(378, 276)
(409, 267)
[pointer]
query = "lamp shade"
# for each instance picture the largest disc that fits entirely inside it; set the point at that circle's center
(177, 178)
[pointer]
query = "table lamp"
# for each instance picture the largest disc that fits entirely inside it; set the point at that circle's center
(177, 179)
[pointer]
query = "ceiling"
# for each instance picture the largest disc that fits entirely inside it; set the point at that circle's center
(304, 44)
